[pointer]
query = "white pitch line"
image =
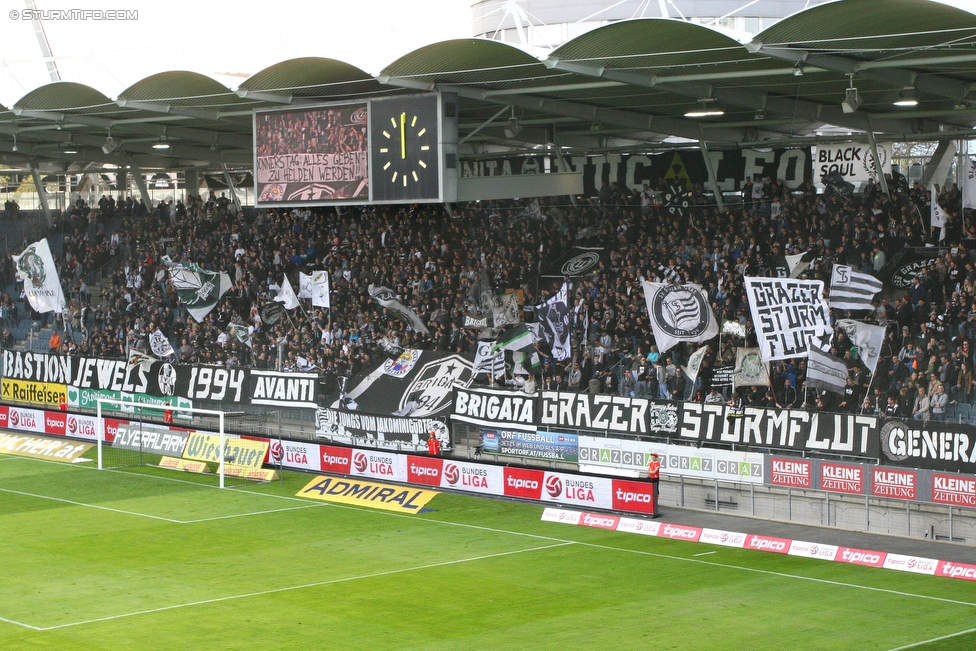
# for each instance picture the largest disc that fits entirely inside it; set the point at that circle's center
(244, 515)
(298, 587)
(704, 554)
(91, 506)
(934, 639)
(21, 624)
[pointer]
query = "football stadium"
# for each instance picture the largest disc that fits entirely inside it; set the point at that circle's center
(498, 324)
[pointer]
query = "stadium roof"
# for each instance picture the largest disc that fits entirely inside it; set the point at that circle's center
(626, 86)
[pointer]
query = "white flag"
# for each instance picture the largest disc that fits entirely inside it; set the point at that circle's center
(678, 313)
(160, 344)
(320, 289)
(826, 372)
(937, 214)
(791, 316)
(304, 285)
(799, 263)
(968, 183)
(867, 338)
(695, 362)
(286, 295)
(734, 328)
(42, 287)
(750, 369)
(852, 290)
(486, 362)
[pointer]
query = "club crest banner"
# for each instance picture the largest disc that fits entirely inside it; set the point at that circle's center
(678, 313)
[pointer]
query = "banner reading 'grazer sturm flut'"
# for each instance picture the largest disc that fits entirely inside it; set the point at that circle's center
(789, 315)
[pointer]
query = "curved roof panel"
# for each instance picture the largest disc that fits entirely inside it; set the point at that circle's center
(180, 88)
(313, 77)
(61, 96)
(654, 45)
(876, 29)
(470, 61)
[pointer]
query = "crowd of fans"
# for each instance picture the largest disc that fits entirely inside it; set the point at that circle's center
(441, 261)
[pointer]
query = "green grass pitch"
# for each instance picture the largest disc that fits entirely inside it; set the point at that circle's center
(143, 559)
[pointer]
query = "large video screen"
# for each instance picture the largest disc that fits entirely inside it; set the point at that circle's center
(311, 156)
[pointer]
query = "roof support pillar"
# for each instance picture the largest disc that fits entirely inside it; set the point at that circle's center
(140, 181)
(712, 179)
(192, 183)
(230, 186)
(42, 196)
(882, 181)
(938, 166)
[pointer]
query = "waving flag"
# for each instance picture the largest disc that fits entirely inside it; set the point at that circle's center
(286, 295)
(678, 313)
(198, 289)
(553, 318)
(388, 299)
(42, 287)
(852, 290)
(937, 214)
(867, 338)
(160, 344)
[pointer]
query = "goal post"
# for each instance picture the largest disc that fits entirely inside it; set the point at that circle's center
(132, 435)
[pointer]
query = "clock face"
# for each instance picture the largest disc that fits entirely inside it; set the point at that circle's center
(404, 163)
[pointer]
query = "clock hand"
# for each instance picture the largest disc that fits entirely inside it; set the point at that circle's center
(403, 135)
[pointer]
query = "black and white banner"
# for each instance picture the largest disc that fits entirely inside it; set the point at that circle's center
(419, 384)
(284, 389)
(678, 313)
(389, 432)
(595, 412)
(852, 290)
(553, 316)
(789, 315)
(489, 408)
(853, 161)
(934, 445)
(157, 378)
(792, 429)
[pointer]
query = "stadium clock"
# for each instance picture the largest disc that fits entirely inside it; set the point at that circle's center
(404, 149)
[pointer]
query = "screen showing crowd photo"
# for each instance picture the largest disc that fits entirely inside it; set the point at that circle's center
(311, 156)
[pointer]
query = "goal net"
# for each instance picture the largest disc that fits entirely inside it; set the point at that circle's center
(181, 439)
